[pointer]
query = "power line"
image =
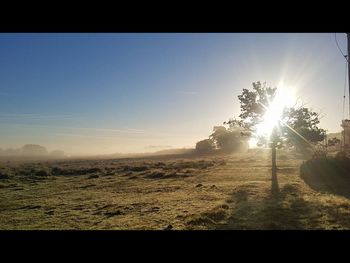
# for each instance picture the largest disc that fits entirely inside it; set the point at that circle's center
(336, 41)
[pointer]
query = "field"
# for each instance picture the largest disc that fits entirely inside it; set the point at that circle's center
(168, 192)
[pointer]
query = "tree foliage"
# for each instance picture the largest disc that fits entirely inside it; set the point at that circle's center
(252, 101)
(301, 128)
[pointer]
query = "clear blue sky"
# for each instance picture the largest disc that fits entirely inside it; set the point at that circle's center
(105, 93)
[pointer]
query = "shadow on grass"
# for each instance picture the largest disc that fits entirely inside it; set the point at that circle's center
(253, 207)
(274, 184)
(328, 175)
(285, 209)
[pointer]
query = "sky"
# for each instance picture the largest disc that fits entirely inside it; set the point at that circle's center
(106, 93)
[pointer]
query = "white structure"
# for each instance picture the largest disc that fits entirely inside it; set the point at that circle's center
(346, 134)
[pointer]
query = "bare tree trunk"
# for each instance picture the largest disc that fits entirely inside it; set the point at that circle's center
(274, 166)
(274, 182)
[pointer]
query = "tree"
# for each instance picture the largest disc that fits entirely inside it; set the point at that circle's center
(297, 125)
(228, 140)
(218, 132)
(205, 146)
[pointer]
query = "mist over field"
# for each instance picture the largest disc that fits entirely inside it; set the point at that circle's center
(174, 131)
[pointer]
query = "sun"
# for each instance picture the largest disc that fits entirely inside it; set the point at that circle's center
(284, 97)
(253, 142)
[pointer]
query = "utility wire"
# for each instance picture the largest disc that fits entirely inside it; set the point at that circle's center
(336, 41)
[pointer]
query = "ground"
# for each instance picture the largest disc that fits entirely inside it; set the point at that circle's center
(167, 192)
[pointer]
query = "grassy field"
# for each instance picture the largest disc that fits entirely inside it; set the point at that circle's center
(184, 192)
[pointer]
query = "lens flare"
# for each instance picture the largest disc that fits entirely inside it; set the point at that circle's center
(253, 142)
(284, 97)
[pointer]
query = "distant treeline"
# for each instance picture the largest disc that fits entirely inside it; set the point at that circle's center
(31, 150)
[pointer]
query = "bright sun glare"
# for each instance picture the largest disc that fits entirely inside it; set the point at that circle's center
(284, 98)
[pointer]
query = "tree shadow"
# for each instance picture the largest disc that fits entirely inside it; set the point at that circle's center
(254, 207)
(327, 175)
(274, 183)
(284, 209)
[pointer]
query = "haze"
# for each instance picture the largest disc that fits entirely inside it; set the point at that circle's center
(107, 93)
